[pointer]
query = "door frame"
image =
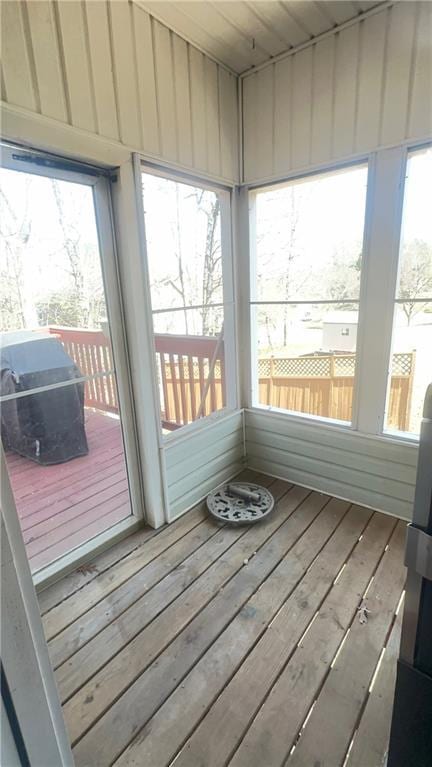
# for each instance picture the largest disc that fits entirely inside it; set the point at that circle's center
(41, 163)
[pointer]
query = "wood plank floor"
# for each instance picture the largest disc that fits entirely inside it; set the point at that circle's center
(62, 506)
(206, 645)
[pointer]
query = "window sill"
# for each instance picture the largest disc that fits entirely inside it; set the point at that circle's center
(331, 425)
(197, 426)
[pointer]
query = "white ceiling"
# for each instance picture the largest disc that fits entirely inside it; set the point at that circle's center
(242, 35)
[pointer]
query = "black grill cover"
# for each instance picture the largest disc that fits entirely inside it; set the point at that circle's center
(47, 427)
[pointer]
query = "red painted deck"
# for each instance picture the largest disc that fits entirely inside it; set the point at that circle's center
(62, 506)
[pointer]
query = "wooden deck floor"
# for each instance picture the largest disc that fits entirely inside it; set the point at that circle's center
(206, 645)
(64, 505)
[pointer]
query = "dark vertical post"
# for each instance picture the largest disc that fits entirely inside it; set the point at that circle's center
(411, 731)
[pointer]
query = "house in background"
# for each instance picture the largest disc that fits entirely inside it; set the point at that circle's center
(215, 219)
(340, 332)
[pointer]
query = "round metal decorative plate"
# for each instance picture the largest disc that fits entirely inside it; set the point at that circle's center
(226, 506)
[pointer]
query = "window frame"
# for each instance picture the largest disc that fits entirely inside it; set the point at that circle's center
(143, 165)
(406, 151)
(252, 192)
(378, 284)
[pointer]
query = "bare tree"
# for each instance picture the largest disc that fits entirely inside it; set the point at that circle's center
(71, 246)
(291, 255)
(212, 262)
(415, 281)
(85, 299)
(16, 305)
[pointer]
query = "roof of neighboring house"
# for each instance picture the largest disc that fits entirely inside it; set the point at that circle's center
(341, 318)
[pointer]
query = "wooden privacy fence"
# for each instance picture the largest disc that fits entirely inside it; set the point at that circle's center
(323, 385)
(319, 385)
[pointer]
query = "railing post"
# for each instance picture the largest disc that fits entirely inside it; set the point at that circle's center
(271, 388)
(332, 408)
(406, 424)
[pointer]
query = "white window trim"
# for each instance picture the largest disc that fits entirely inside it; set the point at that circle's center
(380, 264)
(141, 164)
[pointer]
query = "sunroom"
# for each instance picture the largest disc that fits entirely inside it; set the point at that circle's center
(216, 272)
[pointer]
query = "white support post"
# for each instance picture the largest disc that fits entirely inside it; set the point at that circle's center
(134, 283)
(229, 297)
(243, 268)
(380, 269)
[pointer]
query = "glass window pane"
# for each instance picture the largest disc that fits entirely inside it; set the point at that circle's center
(63, 442)
(184, 250)
(411, 369)
(190, 365)
(183, 235)
(411, 363)
(309, 238)
(415, 260)
(306, 358)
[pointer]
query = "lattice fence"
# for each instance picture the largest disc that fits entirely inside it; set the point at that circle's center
(323, 385)
(325, 366)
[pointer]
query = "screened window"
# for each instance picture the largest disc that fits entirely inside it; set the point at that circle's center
(188, 251)
(305, 288)
(411, 361)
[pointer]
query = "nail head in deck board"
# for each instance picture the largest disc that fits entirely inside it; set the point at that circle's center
(112, 733)
(273, 731)
(108, 684)
(62, 616)
(371, 739)
(346, 686)
(269, 579)
(217, 736)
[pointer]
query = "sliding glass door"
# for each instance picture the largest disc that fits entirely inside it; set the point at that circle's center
(62, 416)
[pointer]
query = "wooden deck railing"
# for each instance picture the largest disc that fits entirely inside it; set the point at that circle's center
(320, 385)
(183, 364)
(91, 352)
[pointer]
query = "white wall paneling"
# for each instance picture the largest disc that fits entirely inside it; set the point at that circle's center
(199, 461)
(372, 471)
(43, 49)
(365, 86)
(112, 70)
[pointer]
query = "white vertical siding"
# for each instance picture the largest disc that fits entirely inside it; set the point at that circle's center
(101, 69)
(74, 43)
(366, 86)
(43, 48)
(213, 455)
(112, 70)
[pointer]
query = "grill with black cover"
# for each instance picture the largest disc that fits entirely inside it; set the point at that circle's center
(47, 427)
